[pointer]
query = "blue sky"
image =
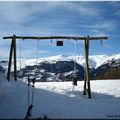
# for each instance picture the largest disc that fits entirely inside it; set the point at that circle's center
(60, 18)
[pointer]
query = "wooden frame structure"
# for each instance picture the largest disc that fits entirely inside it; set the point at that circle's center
(87, 89)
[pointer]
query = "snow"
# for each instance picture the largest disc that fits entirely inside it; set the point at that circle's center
(101, 59)
(68, 73)
(59, 100)
(4, 64)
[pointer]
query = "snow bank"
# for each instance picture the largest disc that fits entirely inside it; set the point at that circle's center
(59, 100)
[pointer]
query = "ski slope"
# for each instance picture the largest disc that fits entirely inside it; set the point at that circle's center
(59, 100)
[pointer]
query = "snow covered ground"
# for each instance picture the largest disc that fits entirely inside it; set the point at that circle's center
(59, 100)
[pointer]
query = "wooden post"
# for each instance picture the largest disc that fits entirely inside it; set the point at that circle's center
(87, 80)
(10, 60)
(87, 69)
(15, 66)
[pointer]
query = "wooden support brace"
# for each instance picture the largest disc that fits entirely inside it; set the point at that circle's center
(12, 49)
(10, 60)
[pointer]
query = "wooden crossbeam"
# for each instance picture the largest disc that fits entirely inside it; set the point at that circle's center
(57, 37)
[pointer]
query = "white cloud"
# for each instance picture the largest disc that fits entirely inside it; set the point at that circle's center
(4, 52)
(28, 53)
(84, 8)
(18, 12)
(107, 25)
(16, 15)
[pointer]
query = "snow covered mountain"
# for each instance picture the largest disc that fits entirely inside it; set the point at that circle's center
(61, 67)
(53, 71)
(94, 60)
(109, 70)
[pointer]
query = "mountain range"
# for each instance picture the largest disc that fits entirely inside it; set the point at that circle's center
(63, 68)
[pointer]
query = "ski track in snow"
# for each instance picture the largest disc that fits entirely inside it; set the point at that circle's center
(59, 100)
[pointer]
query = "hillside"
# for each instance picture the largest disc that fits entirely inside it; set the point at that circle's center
(109, 70)
(59, 100)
